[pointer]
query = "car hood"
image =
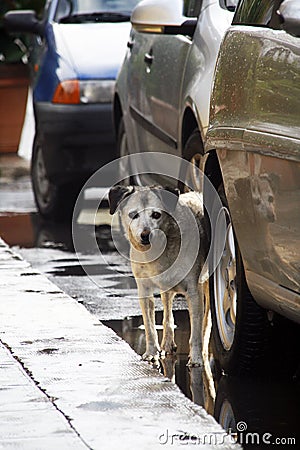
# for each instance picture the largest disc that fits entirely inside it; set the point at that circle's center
(92, 50)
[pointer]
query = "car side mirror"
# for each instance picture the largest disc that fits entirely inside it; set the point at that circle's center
(289, 12)
(25, 21)
(162, 17)
(229, 4)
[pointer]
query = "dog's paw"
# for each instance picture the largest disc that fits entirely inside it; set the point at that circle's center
(195, 361)
(151, 357)
(195, 356)
(168, 348)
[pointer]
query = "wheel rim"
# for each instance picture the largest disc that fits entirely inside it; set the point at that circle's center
(226, 418)
(225, 295)
(43, 187)
(194, 179)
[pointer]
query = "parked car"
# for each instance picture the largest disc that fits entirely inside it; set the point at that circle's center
(77, 49)
(162, 93)
(253, 148)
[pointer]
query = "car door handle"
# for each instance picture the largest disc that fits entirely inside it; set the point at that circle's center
(130, 44)
(148, 58)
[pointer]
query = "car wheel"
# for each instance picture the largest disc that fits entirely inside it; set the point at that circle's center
(193, 153)
(240, 326)
(235, 405)
(54, 202)
(224, 410)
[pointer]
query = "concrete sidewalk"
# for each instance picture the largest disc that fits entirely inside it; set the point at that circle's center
(12, 167)
(68, 382)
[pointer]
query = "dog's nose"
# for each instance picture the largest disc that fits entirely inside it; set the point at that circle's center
(145, 235)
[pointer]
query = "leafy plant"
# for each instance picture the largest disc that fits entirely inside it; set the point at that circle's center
(11, 49)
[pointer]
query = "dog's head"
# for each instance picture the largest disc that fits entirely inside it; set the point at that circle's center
(143, 210)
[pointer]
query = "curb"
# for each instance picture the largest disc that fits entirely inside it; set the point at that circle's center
(95, 391)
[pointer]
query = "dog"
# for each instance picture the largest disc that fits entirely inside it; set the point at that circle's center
(166, 233)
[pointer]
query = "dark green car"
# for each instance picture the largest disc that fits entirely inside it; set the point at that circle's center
(253, 159)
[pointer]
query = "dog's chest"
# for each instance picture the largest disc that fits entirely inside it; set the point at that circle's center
(149, 269)
(165, 275)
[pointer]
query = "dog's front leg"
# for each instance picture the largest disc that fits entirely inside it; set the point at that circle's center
(195, 304)
(168, 343)
(148, 310)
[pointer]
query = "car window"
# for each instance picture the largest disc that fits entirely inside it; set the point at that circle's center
(67, 8)
(104, 5)
(191, 8)
(258, 12)
(46, 9)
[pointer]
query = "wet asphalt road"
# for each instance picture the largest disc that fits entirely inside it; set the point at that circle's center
(102, 282)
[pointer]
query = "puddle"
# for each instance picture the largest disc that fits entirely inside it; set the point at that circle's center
(112, 275)
(29, 230)
(132, 331)
(17, 229)
(254, 410)
(77, 270)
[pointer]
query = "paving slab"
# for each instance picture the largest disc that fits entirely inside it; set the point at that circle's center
(28, 419)
(68, 381)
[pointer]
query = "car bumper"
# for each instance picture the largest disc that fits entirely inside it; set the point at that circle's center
(76, 139)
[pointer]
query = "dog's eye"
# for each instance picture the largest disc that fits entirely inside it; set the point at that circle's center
(133, 215)
(156, 215)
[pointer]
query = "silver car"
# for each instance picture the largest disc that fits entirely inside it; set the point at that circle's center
(162, 92)
(253, 159)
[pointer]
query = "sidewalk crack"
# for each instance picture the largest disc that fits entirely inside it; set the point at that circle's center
(44, 392)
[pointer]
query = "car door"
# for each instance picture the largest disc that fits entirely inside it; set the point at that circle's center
(274, 162)
(38, 49)
(160, 59)
(268, 162)
(155, 76)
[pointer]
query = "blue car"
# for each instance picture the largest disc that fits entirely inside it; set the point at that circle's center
(76, 51)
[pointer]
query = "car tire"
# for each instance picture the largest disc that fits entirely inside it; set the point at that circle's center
(235, 404)
(54, 202)
(240, 327)
(246, 408)
(193, 153)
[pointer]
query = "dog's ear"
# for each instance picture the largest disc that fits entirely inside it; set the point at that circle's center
(117, 194)
(169, 197)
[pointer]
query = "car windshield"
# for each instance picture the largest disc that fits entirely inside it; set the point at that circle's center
(79, 11)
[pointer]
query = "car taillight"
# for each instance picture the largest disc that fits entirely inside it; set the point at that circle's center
(67, 92)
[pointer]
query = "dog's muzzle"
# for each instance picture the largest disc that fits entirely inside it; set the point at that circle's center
(145, 237)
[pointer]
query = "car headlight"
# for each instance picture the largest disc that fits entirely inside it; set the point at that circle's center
(91, 91)
(97, 91)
